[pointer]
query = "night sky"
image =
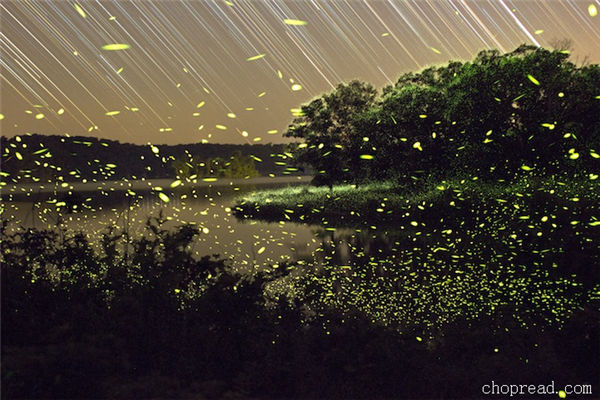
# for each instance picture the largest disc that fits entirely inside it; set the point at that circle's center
(232, 71)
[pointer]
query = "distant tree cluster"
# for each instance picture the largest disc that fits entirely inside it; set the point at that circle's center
(237, 166)
(528, 110)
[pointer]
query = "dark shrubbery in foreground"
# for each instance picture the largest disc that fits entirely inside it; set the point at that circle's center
(156, 323)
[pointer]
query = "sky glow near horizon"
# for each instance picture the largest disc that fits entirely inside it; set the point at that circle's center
(233, 71)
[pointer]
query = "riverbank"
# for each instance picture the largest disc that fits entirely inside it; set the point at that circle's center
(384, 204)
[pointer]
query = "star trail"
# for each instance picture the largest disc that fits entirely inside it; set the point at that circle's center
(235, 71)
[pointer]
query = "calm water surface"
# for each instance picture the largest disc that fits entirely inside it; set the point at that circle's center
(92, 208)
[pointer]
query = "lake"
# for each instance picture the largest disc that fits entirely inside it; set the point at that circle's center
(94, 207)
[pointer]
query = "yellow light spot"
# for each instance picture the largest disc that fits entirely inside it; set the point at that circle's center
(417, 146)
(244, 134)
(539, 32)
(562, 394)
(592, 10)
(205, 230)
(39, 116)
(533, 80)
(60, 111)
(385, 34)
(120, 70)
(272, 132)
(115, 46)
(261, 250)
(231, 115)
(111, 113)
(175, 183)
(134, 109)
(199, 105)
(548, 125)
(296, 22)
(279, 74)
(419, 339)
(209, 179)
(296, 87)
(164, 197)
(79, 10)
(112, 18)
(256, 57)
(221, 127)
(262, 94)
(18, 155)
(435, 50)
(1, 117)
(366, 156)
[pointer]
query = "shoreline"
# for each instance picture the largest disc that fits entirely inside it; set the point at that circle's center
(140, 185)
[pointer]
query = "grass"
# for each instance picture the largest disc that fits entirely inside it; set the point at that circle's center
(384, 203)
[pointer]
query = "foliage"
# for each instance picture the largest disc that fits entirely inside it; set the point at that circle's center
(331, 142)
(238, 166)
(532, 104)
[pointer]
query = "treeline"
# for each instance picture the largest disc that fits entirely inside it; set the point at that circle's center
(499, 114)
(39, 158)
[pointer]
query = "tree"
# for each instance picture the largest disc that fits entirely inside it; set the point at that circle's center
(240, 166)
(530, 109)
(329, 136)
